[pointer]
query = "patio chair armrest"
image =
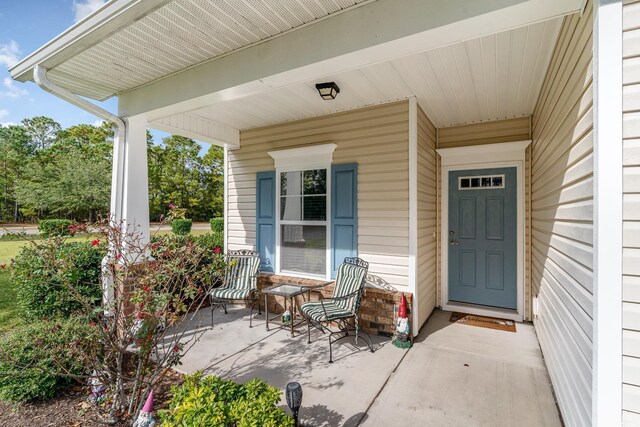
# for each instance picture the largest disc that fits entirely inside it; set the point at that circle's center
(344, 297)
(326, 316)
(316, 288)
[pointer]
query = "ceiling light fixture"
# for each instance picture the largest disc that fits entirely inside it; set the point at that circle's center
(328, 90)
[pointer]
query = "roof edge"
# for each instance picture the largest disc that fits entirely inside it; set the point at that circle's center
(111, 17)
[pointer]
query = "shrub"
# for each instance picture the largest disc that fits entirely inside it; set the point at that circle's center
(38, 359)
(210, 241)
(54, 227)
(43, 270)
(208, 245)
(181, 227)
(217, 225)
(212, 401)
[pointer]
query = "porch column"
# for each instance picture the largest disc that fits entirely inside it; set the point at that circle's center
(129, 196)
(130, 183)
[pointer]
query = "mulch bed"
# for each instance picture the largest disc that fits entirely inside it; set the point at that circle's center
(71, 408)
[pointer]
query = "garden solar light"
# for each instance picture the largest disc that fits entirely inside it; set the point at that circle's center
(294, 399)
(328, 90)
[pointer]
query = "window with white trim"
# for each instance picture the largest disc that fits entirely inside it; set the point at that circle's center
(303, 221)
(303, 206)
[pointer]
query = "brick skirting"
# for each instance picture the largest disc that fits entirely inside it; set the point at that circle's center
(377, 310)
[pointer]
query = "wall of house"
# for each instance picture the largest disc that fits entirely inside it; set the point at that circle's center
(491, 132)
(377, 139)
(427, 191)
(562, 218)
(631, 214)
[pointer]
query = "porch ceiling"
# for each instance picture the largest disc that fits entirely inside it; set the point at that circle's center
(493, 77)
(168, 36)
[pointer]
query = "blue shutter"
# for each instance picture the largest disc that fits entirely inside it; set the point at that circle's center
(344, 214)
(266, 219)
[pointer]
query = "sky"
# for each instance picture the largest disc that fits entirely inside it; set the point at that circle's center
(25, 25)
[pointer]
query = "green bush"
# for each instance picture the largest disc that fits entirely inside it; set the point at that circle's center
(34, 357)
(211, 245)
(181, 227)
(209, 241)
(217, 225)
(212, 401)
(44, 271)
(54, 227)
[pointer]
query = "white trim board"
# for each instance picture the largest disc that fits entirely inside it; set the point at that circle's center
(608, 214)
(413, 213)
(508, 154)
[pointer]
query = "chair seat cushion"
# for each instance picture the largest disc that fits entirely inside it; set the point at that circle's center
(314, 311)
(230, 293)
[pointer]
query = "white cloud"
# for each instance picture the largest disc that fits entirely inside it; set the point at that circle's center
(98, 123)
(9, 53)
(6, 124)
(83, 8)
(11, 89)
(3, 113)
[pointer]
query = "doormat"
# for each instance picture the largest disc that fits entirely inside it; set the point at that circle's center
(483, 321)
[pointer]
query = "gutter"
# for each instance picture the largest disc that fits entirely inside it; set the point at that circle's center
(40, 77)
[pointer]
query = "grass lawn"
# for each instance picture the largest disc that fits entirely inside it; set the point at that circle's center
(8, 307)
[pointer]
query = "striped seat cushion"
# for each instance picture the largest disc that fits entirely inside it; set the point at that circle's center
(314, 311)
(349, 279)
(230, 293)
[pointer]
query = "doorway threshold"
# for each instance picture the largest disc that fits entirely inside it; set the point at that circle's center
(483, 310)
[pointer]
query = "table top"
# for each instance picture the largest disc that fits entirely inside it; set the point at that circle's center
(290, 290)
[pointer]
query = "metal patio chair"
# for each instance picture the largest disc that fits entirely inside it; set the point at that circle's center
(238, 283)
(343, 305)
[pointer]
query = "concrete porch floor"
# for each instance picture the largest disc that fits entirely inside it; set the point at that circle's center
(454, 374)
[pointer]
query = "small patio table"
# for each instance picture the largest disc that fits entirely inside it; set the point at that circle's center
(289, 292)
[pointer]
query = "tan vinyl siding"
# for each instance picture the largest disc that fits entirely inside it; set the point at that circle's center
(493, 132)
(426, 258)
(562, 218)
(631, 214)
(377, 139)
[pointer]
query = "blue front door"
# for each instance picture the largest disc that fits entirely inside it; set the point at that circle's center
(483, 237)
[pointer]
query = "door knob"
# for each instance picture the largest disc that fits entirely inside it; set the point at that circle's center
(454, 242)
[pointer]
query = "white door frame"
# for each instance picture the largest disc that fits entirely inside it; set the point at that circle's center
(509, 154)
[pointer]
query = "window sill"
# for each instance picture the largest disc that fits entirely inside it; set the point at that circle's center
(277, 279)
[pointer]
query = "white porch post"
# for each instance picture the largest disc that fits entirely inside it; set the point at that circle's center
(130, 182)
(129, 194)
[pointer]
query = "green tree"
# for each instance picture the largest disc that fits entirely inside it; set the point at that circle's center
(213, 163)
(71, 177)
(15, 150)
(41, 131)
(182, 174)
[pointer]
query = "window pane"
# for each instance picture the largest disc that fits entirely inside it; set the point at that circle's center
(303, 249)
(464, 183)
(475, 182)
(315, 181)
(291, 183)
(497, 181)
(486, 182)
(291, 208)
(315, 208)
